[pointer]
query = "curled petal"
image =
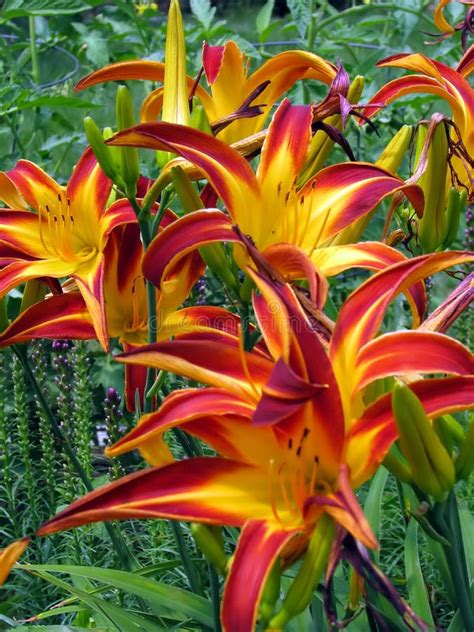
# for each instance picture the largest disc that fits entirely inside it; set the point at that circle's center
(179, 408)
(445, 314)
(227, 171)
(362, 313)
(405, 352)
(182, 237)
(61, 316)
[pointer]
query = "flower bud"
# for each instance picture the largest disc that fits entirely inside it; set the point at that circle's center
(432, 148)
(102, 151)
(431, 466)
(465, 460)
(199, 118)
(175, 90)
(301, 590)
(456, 205)
(130, 165)
(209, 539)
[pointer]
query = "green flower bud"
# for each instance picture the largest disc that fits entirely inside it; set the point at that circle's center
(209, 539)
(301, 590)
(130, 164)
(431, 466)
(103, 153)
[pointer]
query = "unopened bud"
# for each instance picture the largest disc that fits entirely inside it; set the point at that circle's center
(210, 541)
(130, 164)
(431, 466)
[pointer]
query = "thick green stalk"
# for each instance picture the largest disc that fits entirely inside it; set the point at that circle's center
(123, 553)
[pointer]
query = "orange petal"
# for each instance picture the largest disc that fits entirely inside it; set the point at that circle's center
(10, 555)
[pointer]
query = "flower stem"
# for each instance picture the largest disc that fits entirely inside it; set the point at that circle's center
(35, 69)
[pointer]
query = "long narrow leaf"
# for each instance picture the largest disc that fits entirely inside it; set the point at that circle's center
(417, 591)
(167, 598)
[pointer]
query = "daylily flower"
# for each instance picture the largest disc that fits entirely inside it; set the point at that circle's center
(55, 231)
(434, 77)
(282, 464)
(268, 206)
(66, 315)
(226, 70)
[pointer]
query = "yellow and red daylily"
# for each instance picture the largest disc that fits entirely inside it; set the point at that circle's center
(226, 70)
(56, 231)
(268, 205)
(434, 77)
(287, 424)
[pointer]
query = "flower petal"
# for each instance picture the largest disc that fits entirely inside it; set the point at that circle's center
(215, 360)
(227, 171)
(404, 352)
(10, 555)
(362, 313)
(258, 547)
(34, 185)
(61, 316)
(90, 281)
(340, 194)
(88, 188)
(445, 314)
(180, 238)
(209, 490)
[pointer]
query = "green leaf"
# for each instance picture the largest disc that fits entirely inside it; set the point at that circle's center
(204, 12)
(157, 594)
(21, 8)
(466, 520)
(417, 591)
(300, 12)
(264, 16)
(373, 502)
(120, 620)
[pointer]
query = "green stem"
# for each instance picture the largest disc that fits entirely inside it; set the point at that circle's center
(311, 26)
(445, 517)
(123, 553)
(214, 586)
(185, 558)
(35, 69)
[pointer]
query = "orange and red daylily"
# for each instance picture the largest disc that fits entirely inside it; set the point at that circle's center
(434, 77)
(55, 231)
(287, 424)
(268, 205)
(226, 70)
(66, 315)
